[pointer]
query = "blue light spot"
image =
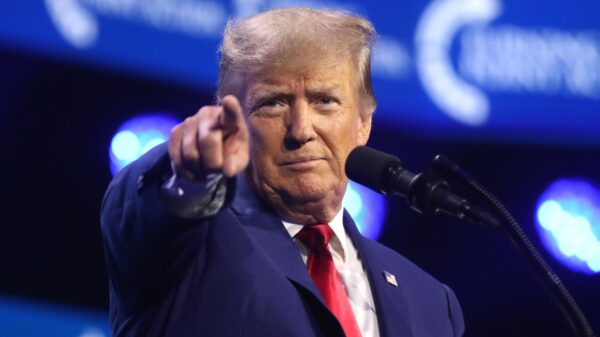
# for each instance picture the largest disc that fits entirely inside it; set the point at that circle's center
(125, 146)
(594, 259)
(550, 214)
(151, 140)
(367, 208)
(353, 202)
(568, 218)
(137, 136)
(20, 317)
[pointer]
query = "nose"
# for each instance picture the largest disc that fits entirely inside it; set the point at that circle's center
(300, 128)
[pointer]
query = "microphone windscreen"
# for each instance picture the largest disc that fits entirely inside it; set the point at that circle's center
(369, 167)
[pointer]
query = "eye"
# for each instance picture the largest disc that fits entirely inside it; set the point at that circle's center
(325, 100)
(269, 106)
(268, 103)
(271, 103)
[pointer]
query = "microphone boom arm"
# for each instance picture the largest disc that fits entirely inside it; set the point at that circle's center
(429, 192)
(545, 275)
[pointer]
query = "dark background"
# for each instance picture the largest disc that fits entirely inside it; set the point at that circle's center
(56, 123)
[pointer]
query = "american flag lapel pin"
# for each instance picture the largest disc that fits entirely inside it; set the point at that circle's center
(390, 278)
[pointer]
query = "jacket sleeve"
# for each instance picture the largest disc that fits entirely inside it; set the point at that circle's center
(146, 246)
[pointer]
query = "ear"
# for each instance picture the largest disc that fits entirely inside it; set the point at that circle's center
(364, 127)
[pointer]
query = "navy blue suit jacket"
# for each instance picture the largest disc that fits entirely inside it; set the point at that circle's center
(239, 273)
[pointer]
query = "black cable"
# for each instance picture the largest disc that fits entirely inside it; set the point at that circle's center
(516, 235)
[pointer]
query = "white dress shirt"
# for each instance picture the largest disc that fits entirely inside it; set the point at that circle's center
(351, 271)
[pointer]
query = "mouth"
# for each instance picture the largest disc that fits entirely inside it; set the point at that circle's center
(304, 162)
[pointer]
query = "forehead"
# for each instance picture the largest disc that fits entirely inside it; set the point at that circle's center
(330, 77)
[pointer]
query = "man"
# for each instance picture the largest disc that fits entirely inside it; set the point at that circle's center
(237, 229)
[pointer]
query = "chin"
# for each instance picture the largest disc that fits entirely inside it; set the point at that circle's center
(310, 188)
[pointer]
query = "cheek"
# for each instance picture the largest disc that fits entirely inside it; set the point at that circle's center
(340, 137)
(260, 135)
(341, 133)
(265, 140)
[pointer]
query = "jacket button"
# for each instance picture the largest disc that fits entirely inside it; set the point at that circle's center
(140, 182)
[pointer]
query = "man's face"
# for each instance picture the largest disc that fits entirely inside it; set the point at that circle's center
(302, 127)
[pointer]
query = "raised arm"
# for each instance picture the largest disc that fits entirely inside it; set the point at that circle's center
(147, 241)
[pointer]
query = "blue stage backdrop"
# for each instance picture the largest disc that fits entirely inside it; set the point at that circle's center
(465, 69)
(511, 87)
(27, 318)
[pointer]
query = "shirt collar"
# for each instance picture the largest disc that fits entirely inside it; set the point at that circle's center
(336, 224)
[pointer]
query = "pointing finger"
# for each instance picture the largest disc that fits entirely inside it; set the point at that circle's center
(233, 117)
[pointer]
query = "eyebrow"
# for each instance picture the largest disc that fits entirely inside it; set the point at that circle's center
(268, 90)
(326, 87)
(261, 96)
(267, 85)
(273, 89)
(334, 89)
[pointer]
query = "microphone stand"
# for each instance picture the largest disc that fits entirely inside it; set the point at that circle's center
(428, 191)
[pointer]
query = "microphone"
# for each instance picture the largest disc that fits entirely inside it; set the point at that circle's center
(379, 171)
(425, 192)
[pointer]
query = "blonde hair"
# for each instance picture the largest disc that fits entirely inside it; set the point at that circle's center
(301, 38)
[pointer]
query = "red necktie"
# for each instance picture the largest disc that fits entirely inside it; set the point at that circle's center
(322, 271)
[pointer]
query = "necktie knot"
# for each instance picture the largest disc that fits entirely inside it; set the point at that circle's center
(315, 237)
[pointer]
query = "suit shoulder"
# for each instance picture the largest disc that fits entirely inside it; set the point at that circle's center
(403, 265)
(428, 298)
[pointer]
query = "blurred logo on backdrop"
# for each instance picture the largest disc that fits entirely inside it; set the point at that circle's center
(77, 22)
(526, 71)
(491, 58)
(501, 58)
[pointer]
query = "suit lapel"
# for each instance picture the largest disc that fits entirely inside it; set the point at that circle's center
(393, 316)
(267, 230)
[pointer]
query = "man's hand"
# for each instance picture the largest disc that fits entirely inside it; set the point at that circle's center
(215, 139)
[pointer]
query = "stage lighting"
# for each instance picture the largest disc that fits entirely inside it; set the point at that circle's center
(568, 219)
(138, 135)
(20, 317)
(367, 208)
